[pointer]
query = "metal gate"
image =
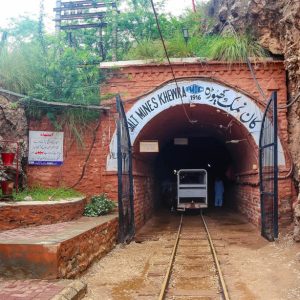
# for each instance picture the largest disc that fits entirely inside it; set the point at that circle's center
(268, 171)
(125, 178)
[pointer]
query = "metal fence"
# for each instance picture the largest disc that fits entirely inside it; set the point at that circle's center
(125, 177)
(268, 161)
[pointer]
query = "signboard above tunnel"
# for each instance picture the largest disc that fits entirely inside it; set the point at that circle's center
(194, 92)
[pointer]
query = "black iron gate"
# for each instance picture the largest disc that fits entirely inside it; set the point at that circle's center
(125, 178)
(268, 171)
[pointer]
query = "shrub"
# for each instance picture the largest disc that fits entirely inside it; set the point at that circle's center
(99, 205)
(234, 48)
(147, 49)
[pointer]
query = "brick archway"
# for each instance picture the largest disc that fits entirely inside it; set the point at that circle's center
(197, 92)
(136, 81)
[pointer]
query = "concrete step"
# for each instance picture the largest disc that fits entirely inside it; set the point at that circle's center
(53, 251)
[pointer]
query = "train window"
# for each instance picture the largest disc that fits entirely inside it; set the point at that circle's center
(192, 177)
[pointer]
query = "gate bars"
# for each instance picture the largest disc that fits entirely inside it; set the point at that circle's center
(125, 176)
(268, 170)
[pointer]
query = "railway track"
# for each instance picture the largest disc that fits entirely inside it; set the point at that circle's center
(193, 271)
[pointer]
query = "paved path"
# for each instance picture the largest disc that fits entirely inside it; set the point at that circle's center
(30, 289)
(51, 234)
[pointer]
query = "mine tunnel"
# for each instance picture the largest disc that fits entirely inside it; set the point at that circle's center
(211, 140)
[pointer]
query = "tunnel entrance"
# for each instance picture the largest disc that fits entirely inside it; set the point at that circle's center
(216, 143)
(206, 153)
(221, 127)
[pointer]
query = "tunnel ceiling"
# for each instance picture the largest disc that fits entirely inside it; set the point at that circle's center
(211, 123)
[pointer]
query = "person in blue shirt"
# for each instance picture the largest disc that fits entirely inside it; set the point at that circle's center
(219, 192)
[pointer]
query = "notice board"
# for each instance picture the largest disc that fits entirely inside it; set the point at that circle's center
(46, 148)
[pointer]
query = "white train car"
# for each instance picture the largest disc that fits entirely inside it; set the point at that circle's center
(192, 189)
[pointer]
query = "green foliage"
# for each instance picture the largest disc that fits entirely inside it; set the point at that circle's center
(177, 46)
(100, 205)
(46, 194)
(140, 39)
(19, 67)
(223, 48)
(51, 71)
(13, 105)
(147, 49)
(49, 68)
(234, 48)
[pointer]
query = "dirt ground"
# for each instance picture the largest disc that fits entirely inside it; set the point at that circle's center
(254, 269)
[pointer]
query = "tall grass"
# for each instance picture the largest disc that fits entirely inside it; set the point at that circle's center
(146, 49)
(223, 48)
(177, 46)
(234, 48)
(20, 67)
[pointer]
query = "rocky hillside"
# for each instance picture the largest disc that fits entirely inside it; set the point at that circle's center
(276, 25)
(13, 127)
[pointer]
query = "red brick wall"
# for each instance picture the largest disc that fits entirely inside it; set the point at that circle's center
(143, 191)
(134, 81)
(245, 196)
(94, 180)
(64, 258)
(75, 255)
(15, 216)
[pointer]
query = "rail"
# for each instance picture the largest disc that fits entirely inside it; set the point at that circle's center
(165, 283)
(216, 260)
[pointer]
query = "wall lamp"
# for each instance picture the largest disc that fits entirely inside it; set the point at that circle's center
(186, 35)
(235, 141)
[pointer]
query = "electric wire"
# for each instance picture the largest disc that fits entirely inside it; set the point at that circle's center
(297, 98)
(95, 131)
(51, 103)
(255, 79)
(169, 62)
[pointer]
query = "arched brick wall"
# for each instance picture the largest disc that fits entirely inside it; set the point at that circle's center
(135, 79)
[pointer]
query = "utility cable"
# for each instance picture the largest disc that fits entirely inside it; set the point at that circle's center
(83, 170)
(297, 98)
(52, 103)
(169, 62)
(89, 154)
(255, 79)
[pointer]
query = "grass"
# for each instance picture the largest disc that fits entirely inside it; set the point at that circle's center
(222, 48)
(46, 194)
(146, 49)
(234, 48)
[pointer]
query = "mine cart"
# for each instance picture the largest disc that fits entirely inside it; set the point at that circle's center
(191, 189)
